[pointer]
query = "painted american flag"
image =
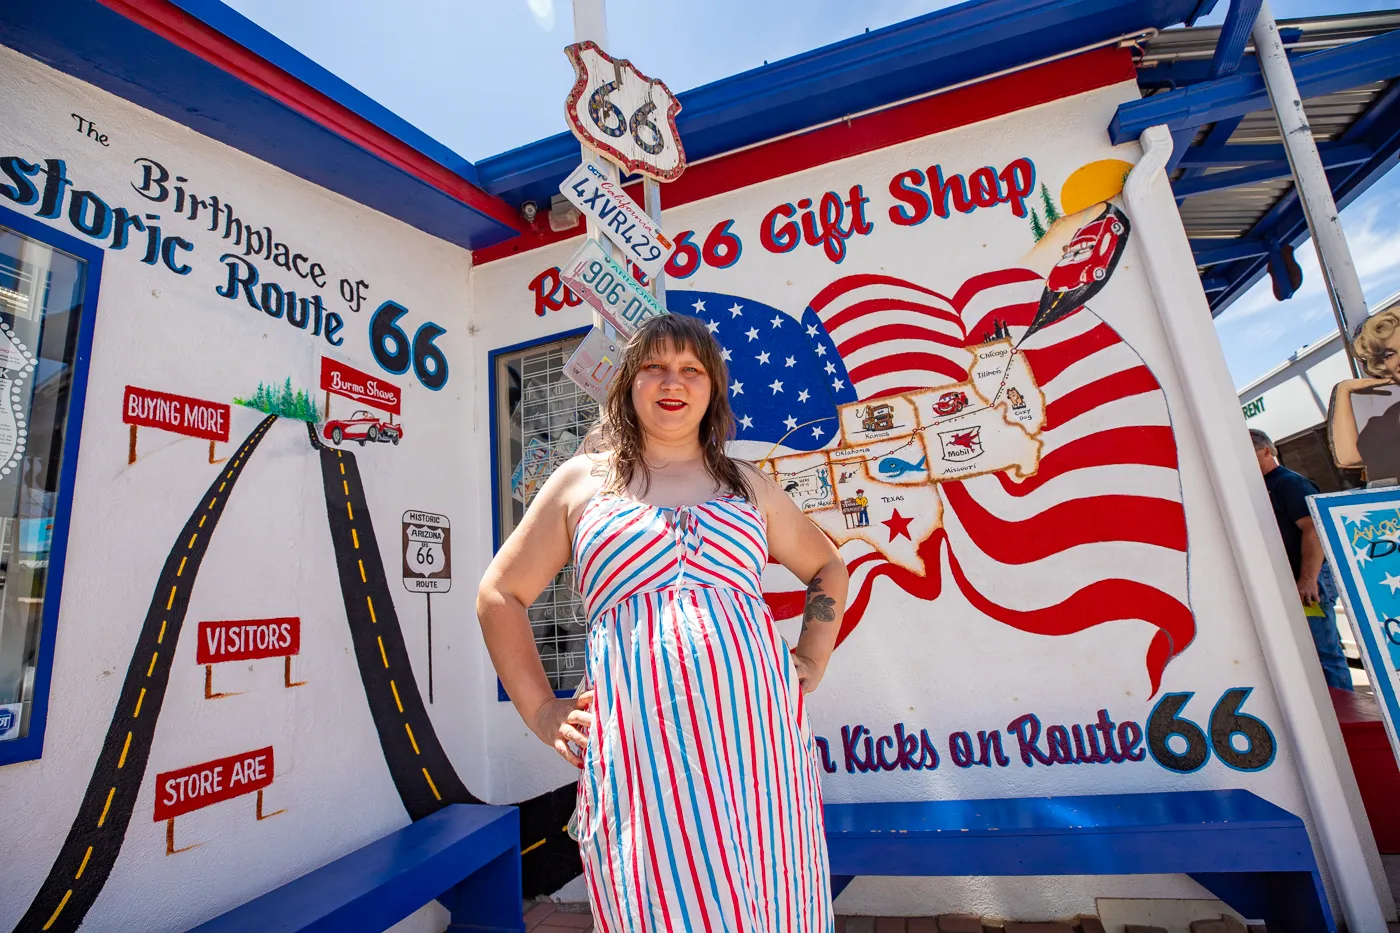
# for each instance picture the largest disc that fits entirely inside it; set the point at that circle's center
(1097, 535)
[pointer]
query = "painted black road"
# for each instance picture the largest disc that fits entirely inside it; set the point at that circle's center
(95, 839)
(420, 768)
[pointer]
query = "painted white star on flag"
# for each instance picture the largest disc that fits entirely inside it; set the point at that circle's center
(711, 326)
(777, 320)
(1392, 581)
(762, 357)
(776, 386)
(745, 422)
(737, 388)
(790, 361)
(803, 395)
(699, 304)
(736, 310)
(724, 352)
(791, 423)
(752, 334)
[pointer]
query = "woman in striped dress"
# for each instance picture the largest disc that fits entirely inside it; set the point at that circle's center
(699, 799)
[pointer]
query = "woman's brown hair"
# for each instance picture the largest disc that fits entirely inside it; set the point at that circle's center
(620, 432)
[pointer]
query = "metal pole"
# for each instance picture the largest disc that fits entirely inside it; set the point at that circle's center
(591, 22)
(651, 192)
(1310, 181)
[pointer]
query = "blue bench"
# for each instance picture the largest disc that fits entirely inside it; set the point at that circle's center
(1252, 855)
(466, 856)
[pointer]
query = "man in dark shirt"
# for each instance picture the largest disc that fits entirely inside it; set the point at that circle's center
(1289, 491)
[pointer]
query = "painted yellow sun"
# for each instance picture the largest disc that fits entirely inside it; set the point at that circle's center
(1093, 183)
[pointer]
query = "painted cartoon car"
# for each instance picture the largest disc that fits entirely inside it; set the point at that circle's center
(1088, 256)
(1084, 267)
(878, 418)
(950, 403)
(363, 426)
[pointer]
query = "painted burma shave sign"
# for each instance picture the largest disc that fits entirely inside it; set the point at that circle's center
(348, 381)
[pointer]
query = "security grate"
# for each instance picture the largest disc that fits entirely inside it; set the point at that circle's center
(547, 417)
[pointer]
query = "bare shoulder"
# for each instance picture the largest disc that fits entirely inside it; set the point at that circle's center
(576, 481)
(765, 489)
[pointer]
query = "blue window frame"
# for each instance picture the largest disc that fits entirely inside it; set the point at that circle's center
(48, 301)
(537, 411)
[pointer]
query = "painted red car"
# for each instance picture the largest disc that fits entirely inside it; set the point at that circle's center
(363, 426)
(950, 403)
(1089, 256)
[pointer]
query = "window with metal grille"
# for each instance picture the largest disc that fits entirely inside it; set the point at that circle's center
(540, 418)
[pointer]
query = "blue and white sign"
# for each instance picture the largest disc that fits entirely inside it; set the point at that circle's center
(10, 714)
(1360, 532)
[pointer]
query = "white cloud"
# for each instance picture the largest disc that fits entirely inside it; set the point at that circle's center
(543, 13)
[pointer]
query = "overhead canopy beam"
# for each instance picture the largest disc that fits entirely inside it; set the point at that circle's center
(1262, 171)
(1319, 73)
(1337, 153)
(1234, 34)
(1213, 252)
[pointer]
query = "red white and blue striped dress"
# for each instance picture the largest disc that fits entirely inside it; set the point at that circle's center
(699, 806)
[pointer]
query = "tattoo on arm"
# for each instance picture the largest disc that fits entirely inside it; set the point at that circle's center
(820, 607)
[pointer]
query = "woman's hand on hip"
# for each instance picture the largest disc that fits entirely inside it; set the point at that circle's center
(560, 722)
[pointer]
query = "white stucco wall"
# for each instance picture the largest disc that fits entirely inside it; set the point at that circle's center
(943, 665)
(271, 554)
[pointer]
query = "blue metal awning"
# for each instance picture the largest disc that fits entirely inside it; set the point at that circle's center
(1231, 177)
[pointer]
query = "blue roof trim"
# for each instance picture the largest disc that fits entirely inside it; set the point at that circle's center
(917, 56)
(93, 43)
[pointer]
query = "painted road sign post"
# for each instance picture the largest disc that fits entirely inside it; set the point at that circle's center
(195, 787)
(620, 218)
(597, 278)
(1360, 531)
(179, 414)
(247, 640)
(427, 564)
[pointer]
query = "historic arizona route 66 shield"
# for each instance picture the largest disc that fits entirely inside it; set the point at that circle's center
(622, 113)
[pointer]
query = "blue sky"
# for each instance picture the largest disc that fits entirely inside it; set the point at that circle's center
(485, 76)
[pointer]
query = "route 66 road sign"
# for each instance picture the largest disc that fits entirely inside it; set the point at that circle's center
(622, 113)
(427, 552)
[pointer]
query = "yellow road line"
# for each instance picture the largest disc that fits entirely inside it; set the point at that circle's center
(181, 571)
(355, 536)
(381, 651)
(193, 538)
(201, 520)
(59, 909)
(170, 602)
(345, 483)
(228, 474)
(397, 701)
(212, 501)
(431, 785)
(105, 807)
(369, 602)
(349, 511)
(363, 578)
(84, 865)
(151, 669)
(161, 637)
(528, 850)
(342, 469)
(411, 740)
(337, 453)
(137, 711)
(222, 485)
(121, 762)
(237, 462)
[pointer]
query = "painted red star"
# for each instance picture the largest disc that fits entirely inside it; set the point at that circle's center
(898, 525)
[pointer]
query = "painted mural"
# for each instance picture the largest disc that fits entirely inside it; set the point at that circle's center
(941, 350)
(946, 353)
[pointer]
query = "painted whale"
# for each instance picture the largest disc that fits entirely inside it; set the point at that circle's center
(893, 466)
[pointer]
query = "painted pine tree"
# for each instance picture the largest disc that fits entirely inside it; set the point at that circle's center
(1037, 228)
(1051, 214)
